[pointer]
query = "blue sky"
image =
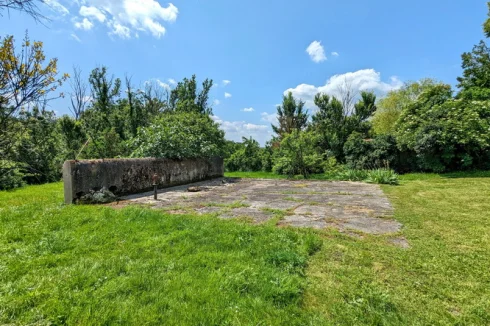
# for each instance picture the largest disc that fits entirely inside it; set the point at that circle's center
(257, 50)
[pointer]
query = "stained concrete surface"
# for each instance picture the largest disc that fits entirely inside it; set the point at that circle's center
(345, 206)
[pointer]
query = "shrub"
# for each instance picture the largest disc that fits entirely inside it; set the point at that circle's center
(179, 135)
(11, 175)
(353, 175)
(247, 157)
(298, 154)
(445, 134)
(382, 176)
(378, 152)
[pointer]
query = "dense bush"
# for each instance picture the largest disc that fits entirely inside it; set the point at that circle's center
(361, 153)
(247, 157)
(179, 135)
(298, 154)
(446, 134)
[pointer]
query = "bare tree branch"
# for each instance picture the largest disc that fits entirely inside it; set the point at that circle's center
(347, 96)
(78, 96)
(27, 6)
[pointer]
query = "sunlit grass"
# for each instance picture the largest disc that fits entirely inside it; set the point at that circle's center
(97, 265)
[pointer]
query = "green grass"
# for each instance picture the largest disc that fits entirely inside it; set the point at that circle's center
(443, 279)
(97, 265)
(271, 175)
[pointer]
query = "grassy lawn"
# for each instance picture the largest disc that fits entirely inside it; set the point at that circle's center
(96, 265)
(443, 279)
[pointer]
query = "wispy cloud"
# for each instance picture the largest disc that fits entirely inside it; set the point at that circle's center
(248, 110)
(227, 95)
(76, 38)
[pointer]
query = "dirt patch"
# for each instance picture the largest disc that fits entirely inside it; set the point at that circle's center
(316, 204)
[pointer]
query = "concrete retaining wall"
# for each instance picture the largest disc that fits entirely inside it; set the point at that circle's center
(131, 176)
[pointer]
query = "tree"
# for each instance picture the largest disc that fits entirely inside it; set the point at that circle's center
(486, 25)
(186, 98)
(334, 123)
(25, 77)
(298, 153)
(247, 157)
(445, 133)
(291, 116)
(27, 6)
(475, 82)
(78, 95)
(25, 80)
(391, 106)
(179, 135)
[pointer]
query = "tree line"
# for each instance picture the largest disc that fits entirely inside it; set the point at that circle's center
(423, 126)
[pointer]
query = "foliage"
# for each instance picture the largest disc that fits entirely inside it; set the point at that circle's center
(13, 175)
(361, 153)
(475, 82)
(290, 115)
(353, 175)
(298, 154)
(247, 157)
(382, 176)
(93, 265)
(391, 106)
(334, 123)
(25, 77)
(38, 149)
(185, 97)
(28, 142)
(445, 134)
(179, 135)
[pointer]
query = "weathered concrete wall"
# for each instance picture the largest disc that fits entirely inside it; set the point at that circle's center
(131, 176)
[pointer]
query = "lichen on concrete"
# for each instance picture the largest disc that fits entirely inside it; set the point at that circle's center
(315, 204)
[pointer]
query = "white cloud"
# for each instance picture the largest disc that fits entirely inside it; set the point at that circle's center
(361, 80)
(216, 102)
(92, 12)
(56, 6)
(84, 24)
(269, 117)
(76, 38)
(158, 82)
(316, 52)
(226, 82)
(235, 130)
(227, 95)
(126, 18)
(172, 81)
(248, 110)
(335, 54)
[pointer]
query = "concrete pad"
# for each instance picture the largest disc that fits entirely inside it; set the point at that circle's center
(317, 204)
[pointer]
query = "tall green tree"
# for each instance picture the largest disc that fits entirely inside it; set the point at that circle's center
(186, 97)
(291, 116)
(390, 107)
(333, 123)
(475, 82)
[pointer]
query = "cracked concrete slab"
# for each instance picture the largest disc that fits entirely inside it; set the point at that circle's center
(306, 203)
